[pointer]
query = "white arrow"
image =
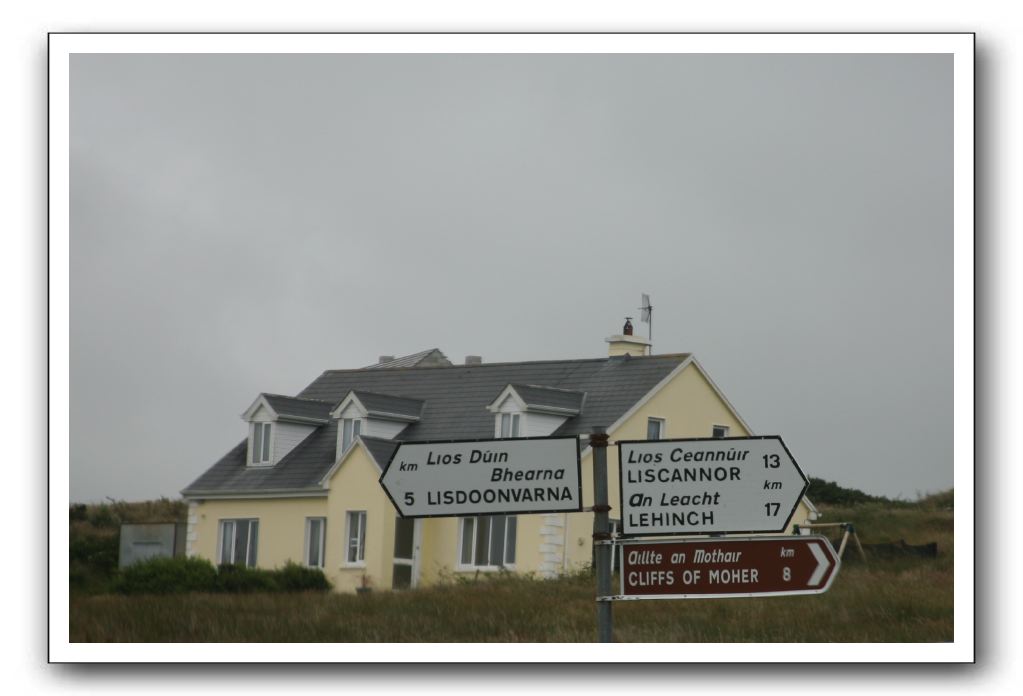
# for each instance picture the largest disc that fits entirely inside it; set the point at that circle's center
(823, 563)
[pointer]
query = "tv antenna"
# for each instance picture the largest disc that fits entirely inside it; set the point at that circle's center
(647, 318)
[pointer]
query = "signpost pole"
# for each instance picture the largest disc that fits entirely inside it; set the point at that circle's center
(601, 534)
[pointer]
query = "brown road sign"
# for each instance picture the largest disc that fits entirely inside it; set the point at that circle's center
(730, 567)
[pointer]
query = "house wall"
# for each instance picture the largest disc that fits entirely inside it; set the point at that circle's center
(281, 526)
(355, 486)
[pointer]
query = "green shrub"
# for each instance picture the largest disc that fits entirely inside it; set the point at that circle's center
(168, 576)
(297, 578)
(99, 552)
(236, 578)
(176, 575)
(830, 493)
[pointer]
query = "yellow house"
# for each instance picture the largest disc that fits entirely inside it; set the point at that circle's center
(304, 484)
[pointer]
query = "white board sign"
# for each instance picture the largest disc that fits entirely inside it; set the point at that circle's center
(484, 477)
(708, 486)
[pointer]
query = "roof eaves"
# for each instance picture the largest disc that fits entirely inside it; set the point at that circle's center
(304, 492)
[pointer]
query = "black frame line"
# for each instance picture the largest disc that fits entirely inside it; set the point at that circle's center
(621, 494)
(578, 465)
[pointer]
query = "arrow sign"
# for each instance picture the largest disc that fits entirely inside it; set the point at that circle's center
(735, 485)
(484, 477)
(757, 567)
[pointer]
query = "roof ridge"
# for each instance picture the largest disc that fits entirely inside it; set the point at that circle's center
(514, 362)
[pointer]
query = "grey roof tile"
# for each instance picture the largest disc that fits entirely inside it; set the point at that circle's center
(380, 449)
(301, 408)
(455, 400)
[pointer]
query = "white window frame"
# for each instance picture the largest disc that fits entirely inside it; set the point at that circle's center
(356, 431)
(515, 421)
(323, 539)
(251, 553)
(360, 561)
(460, 565)
(661, 429)
(723, 427)
(266, 441)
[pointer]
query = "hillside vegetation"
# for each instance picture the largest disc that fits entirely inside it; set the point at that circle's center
(905, 599)
(95, 532)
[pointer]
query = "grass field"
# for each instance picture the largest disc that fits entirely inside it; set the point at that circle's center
(900, 600)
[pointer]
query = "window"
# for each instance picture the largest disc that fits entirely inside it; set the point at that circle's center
(350, 429)
(720, 431)
(355, 551)
(509, 425)
(315, 529)
(261, 443)
(654, 428)
(488, 541)
(238, 542)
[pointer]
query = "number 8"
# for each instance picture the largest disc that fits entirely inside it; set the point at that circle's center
(786, 573)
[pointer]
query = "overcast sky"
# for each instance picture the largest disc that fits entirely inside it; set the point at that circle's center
(241, 223)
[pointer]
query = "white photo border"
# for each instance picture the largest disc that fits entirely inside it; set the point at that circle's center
(960, 45)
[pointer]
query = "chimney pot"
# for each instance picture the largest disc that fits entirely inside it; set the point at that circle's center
(473, 359)
(386, 358)
(627, 330)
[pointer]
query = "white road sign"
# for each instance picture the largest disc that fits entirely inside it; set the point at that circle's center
(708, 486)
(485, 477)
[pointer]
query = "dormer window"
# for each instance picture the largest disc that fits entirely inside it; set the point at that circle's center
(350, 429)
(373, 415)
(278, 424)
(522, 410)
(260, 447)
(510, 424)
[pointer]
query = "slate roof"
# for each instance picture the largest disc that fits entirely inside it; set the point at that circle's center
(540, 396)
(383, 404)
(299, 408)
(426, 358)
(380, 449)
(455, 407)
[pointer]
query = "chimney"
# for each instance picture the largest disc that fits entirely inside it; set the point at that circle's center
(473, 359)
(385, 358)
(627, 344)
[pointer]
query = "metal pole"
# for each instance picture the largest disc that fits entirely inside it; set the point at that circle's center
(601, 533)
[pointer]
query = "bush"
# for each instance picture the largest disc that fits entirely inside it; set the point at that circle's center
(168, 576)
(176, 575)
(96, 551)
(830, 493)
(296, 578)
(236, 578)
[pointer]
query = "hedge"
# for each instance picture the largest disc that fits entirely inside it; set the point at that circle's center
(177, 575)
